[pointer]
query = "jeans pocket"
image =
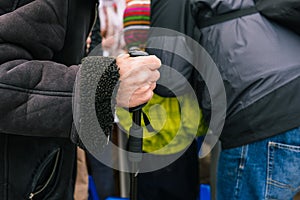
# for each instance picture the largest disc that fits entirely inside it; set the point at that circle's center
(283, 173)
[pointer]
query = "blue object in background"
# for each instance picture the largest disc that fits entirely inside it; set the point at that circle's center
(92, 190)
(204, 192)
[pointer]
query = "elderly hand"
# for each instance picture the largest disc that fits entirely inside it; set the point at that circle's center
(138, 76)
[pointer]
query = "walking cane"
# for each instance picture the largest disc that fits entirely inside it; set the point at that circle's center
(135, 141)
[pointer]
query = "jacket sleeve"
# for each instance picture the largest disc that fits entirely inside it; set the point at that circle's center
(172, 23)
(35, 91)
(36, 98)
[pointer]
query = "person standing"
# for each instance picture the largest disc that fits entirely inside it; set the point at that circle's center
(173, 118)
(111, 16)
(41, 47)
(259, 64)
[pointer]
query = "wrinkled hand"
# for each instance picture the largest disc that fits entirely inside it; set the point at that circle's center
(138, 76)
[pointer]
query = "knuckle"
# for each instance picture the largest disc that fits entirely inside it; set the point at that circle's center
(157, 73)
(148, 95)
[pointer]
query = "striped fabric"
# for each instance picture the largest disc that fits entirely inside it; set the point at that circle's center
(136, 23)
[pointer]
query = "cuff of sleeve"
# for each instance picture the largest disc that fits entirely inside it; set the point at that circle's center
(105, 99)
(99, 95)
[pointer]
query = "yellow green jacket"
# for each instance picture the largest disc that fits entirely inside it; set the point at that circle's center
(176, 121)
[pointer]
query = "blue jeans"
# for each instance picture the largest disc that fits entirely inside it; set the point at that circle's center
(267, 169)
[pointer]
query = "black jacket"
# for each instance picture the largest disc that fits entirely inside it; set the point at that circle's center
(257, 60)
(41, 45)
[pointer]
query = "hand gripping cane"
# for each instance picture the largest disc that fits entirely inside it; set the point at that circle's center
(135, 141)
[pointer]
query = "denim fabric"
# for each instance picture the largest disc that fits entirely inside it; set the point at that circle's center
(267, 169)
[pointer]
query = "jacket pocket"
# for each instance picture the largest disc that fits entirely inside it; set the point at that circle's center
(46, 175)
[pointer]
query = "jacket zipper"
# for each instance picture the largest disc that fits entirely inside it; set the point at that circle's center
(32, 194)
(5, 191)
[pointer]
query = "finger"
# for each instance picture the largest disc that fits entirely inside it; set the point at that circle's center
(143, 89)
(152, 86)
(140, 99)
(151, 62)
(155, 75)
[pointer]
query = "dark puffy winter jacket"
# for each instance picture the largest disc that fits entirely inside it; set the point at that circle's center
(41, 43)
